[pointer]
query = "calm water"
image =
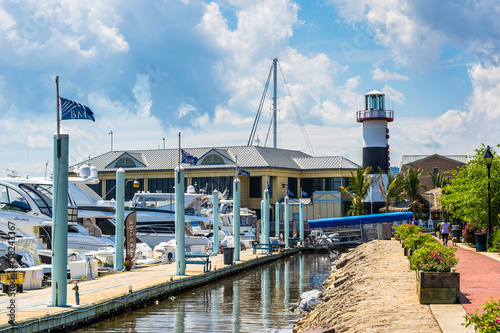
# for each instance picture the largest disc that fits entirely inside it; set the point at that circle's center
(254, 301)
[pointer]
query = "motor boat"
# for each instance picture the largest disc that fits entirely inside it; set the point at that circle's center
(155, 218)
(28, 204)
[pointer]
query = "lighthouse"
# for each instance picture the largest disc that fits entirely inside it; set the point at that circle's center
(375, 142)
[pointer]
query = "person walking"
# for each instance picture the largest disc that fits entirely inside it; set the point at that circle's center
(445, 232)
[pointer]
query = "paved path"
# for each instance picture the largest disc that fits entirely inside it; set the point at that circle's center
(479, 277)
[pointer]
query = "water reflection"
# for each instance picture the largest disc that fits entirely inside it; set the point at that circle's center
(254, 301)
(236, 306)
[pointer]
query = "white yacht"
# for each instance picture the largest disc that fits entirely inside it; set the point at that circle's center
(156, 218)
(28, 204)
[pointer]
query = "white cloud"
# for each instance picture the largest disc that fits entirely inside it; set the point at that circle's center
(185, 108)
(6, 21)
(379, 75)
(109, 36)
(393, 95)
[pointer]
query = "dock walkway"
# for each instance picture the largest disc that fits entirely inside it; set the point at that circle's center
(115, 292)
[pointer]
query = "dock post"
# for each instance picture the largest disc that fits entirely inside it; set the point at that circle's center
(301, 218)
(236, 219)
(120, 218)
(262, 235)
(267, 218)
(277, 223)
(180, 233)
(287, 221)
(60, 221)
(216, 221)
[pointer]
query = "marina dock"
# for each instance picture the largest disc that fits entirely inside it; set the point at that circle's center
(114, 293)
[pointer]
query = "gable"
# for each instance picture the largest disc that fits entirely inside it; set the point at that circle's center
(215, 156)
(127, 160)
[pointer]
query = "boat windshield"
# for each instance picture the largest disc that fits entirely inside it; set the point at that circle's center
(12, 200)
(41, 194)
(152, 201)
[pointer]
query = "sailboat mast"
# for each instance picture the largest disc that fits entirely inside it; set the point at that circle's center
(275, 103)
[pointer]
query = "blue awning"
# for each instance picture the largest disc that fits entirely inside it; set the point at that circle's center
(360, 219)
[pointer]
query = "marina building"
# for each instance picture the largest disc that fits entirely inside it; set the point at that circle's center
(314, 181)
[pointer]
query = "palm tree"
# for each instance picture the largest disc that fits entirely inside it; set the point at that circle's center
(412, 186)
(357, 190)
(438, 180)
(393, 194)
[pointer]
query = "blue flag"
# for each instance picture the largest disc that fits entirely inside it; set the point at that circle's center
(243, 172)
(74, 110)
(269, 189)
(289, 193)
(303, 193)
(188, 158)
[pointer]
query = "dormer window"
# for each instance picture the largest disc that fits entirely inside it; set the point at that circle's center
(212, 159)
(125, 162)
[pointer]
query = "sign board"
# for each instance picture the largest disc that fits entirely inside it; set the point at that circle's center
(131, 235)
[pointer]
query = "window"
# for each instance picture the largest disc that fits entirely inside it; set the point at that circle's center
(161, 185)
(110, 189)
(212, 159)
(310, 185)
(209, 184)
(436, 171)
(292, 186)
(11, 200)
(42, 195)
(255, 187)
(125, 162)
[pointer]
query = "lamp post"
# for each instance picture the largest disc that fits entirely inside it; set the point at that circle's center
(488, 158)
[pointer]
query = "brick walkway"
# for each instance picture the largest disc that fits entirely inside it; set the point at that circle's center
(479, 277)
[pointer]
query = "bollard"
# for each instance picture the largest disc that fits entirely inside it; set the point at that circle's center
(77, 294)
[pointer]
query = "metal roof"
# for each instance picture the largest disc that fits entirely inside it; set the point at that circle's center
(246, 156)
(326, 162)
(374, 92)
(406, 159)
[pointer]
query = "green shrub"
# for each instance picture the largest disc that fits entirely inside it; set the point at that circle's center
(495, 241)
(414, 241)
(404, 230)
(487, 322)
(433, 257)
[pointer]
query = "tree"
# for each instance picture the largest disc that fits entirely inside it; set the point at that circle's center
(393, 194)
(438, 180)
(467, 194)
(358, 190)
(412, 187)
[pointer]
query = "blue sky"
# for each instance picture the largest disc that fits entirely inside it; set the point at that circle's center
(151, 69)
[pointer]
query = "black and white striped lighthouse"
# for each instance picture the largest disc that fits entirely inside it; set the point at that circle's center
(375, 131)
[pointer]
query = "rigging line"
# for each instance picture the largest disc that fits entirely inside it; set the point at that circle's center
(259, 110)
(302, 127)
(268, 131)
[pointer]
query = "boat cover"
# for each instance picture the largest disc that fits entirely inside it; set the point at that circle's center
(360, 219)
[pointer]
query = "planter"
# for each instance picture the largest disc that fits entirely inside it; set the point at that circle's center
(438, 287)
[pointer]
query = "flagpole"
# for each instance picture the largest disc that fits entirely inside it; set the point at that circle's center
(58, 120)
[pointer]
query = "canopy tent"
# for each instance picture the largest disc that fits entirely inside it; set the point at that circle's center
(360, 219)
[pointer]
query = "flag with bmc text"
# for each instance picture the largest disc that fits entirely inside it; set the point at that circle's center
(188, 158)
(242, 172)
(289, 193)
(74, 110)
